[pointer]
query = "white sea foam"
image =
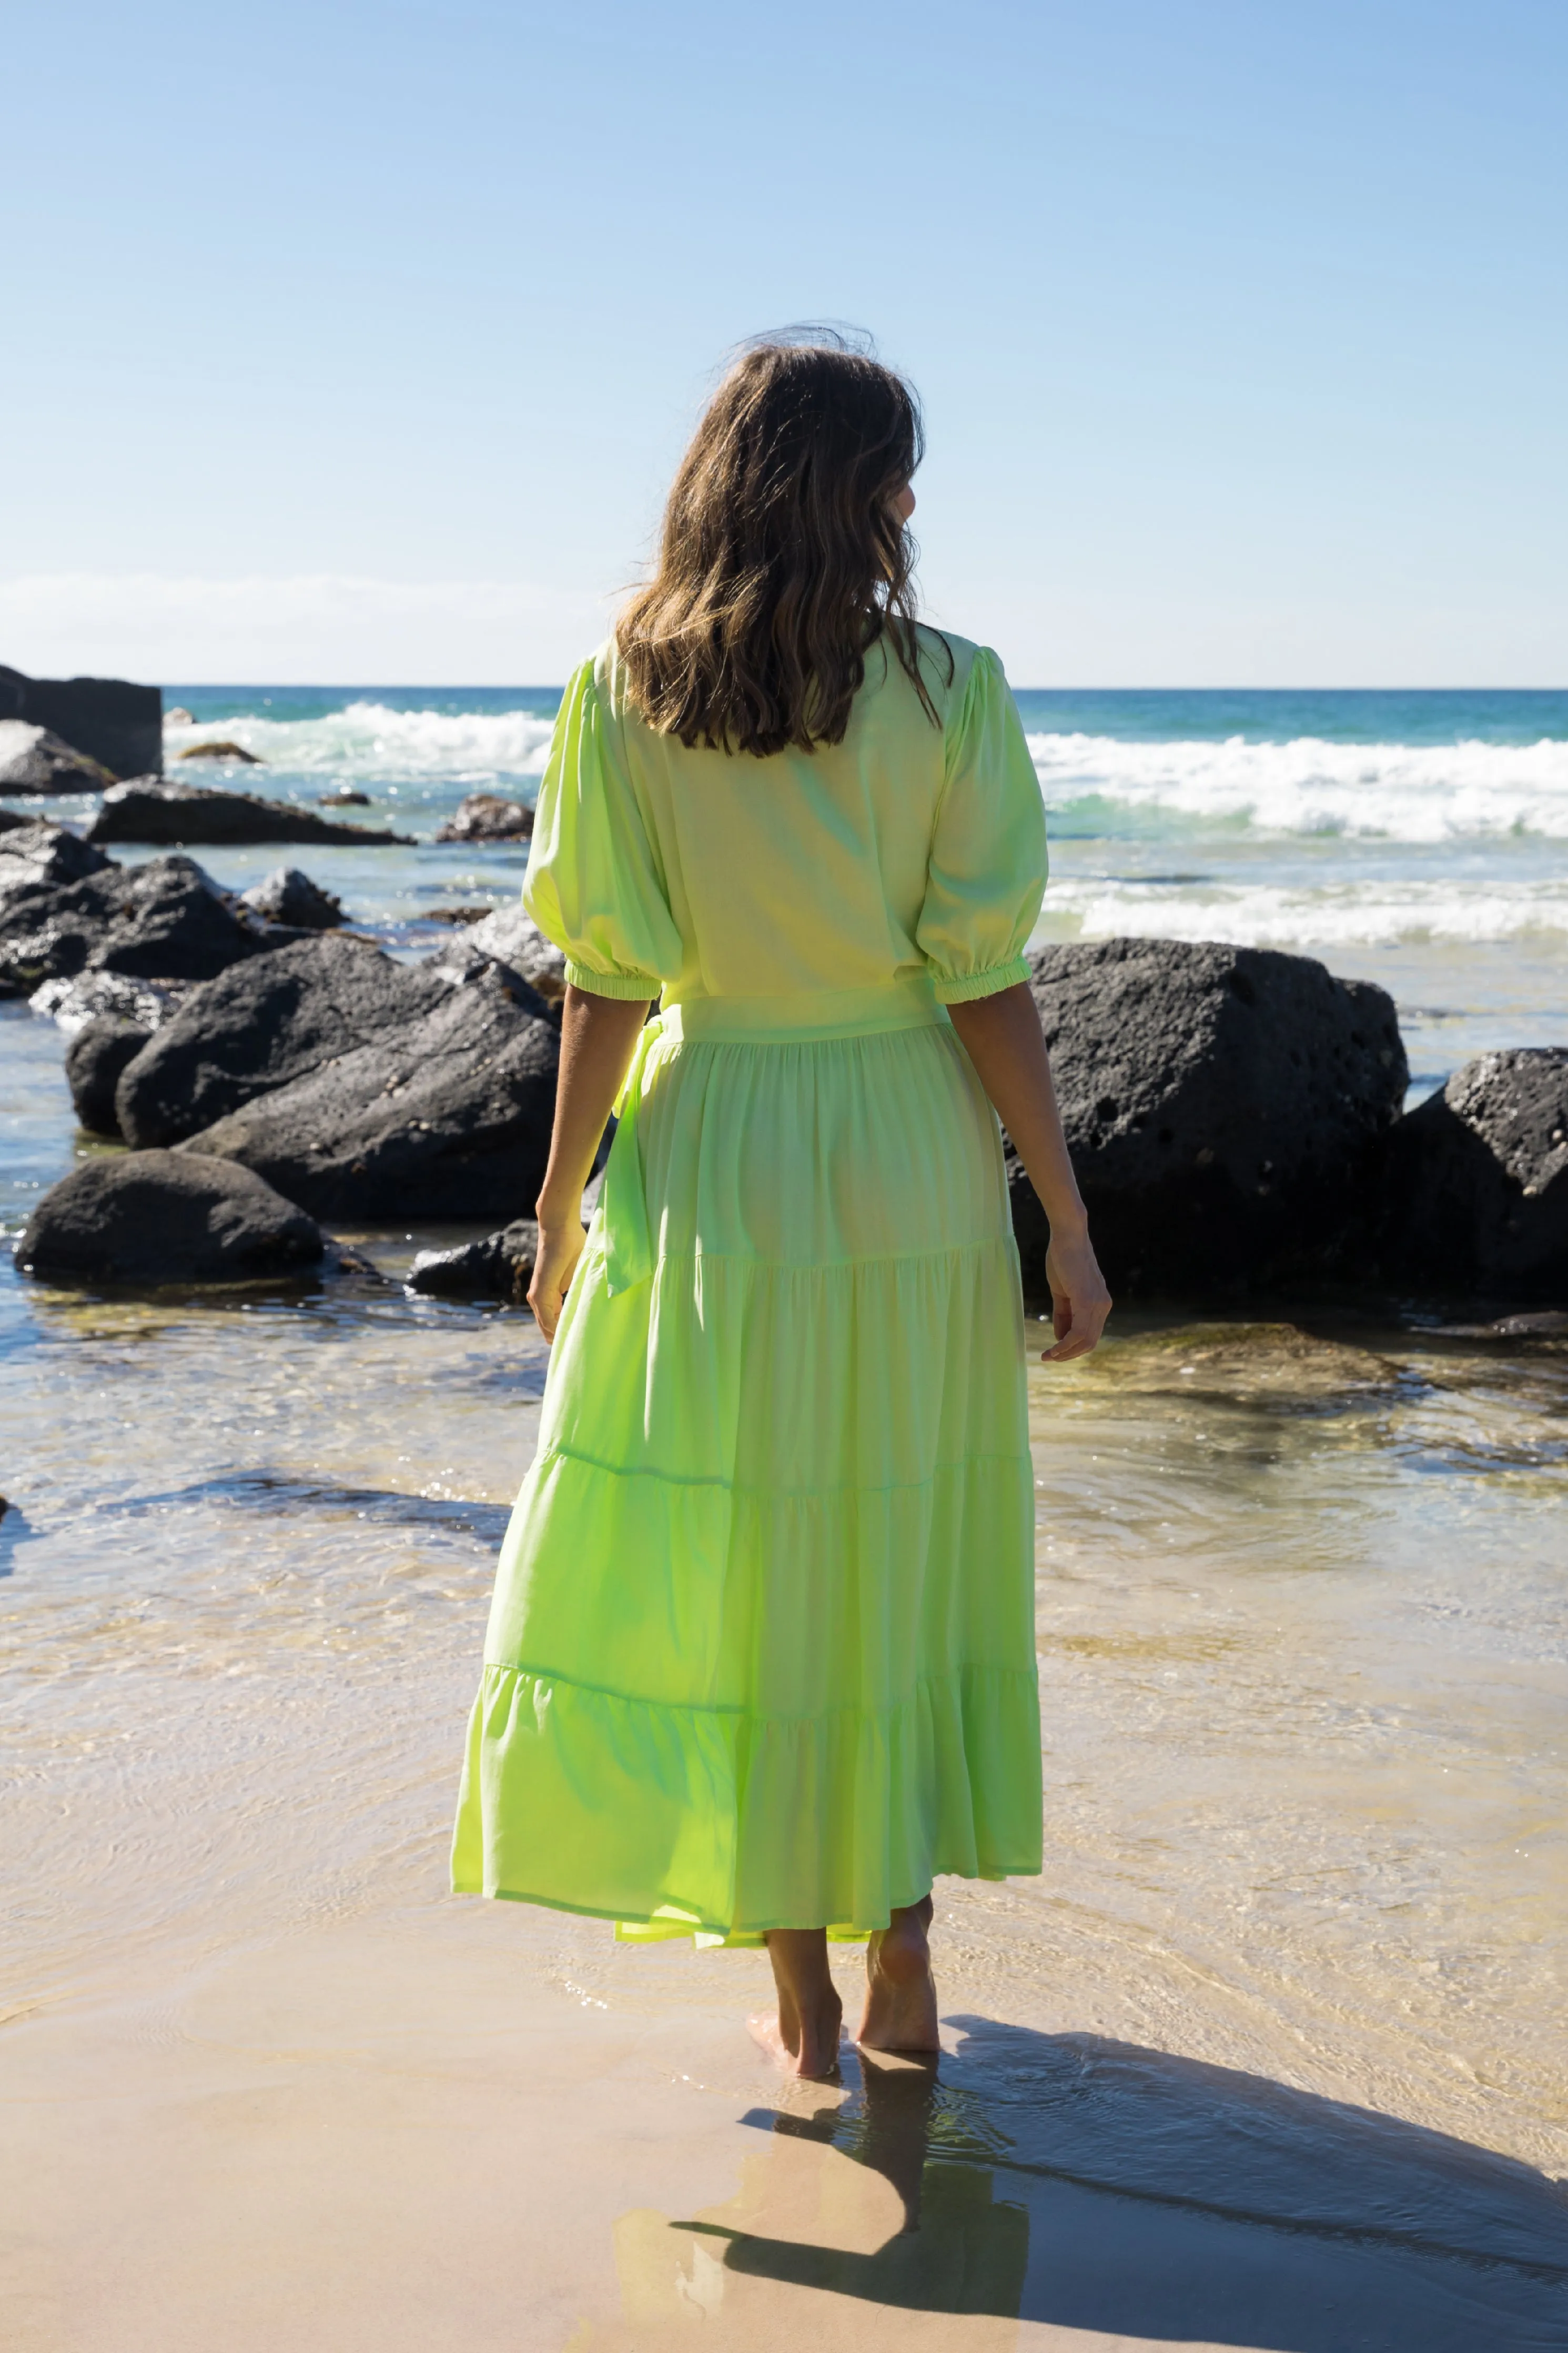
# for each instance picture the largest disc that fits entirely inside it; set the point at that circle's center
(369, 742)
(1400, 792)
(1258, 914)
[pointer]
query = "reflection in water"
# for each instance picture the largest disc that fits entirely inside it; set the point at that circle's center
(874, 2202)
(1093, 2185)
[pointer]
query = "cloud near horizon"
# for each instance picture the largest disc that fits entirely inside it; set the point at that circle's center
(307, 629)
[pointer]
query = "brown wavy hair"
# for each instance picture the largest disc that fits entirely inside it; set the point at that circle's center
(781, 561)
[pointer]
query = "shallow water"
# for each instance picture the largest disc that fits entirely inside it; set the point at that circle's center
(1302, 1635)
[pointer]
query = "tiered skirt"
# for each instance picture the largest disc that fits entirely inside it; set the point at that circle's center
(762, 1650)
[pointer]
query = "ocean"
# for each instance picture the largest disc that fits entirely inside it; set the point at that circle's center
(1300, 1618)
(1419, 839)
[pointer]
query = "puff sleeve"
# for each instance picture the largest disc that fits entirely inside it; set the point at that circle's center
(986, 874)
(594, 883)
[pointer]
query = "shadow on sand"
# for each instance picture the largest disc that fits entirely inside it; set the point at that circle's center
(1096, 2186)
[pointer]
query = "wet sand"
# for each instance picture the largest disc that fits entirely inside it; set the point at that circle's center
(1270, 2057)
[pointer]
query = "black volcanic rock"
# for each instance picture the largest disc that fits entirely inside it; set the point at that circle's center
(166, 920)
(153, 1217)
(447, 1117)
(1224, 1106)
(111, 720)
(287, 896)
(507, 937)
(94, 1058)
(262, 1025)
(500, 1267)
(223, 751)
(148, 811)
(34, 850)
(1476, 1182)
(487, 816)
(37, 760)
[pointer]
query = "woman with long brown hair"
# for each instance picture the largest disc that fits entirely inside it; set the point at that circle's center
(761, 1658)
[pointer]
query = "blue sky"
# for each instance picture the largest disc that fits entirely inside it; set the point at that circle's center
(357, 342)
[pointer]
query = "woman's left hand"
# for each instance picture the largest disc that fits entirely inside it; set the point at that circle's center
(560, 1248)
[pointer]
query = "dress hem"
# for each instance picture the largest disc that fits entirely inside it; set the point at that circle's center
(668, 1930)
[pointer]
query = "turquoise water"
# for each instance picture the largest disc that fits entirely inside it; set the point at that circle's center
(1419, 839)
(1132, 714)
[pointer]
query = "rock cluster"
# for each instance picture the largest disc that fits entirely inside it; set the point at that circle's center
(1233, 1113)
(65, 909)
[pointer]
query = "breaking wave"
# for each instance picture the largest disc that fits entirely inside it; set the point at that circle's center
(1395, 792)
(371, 742)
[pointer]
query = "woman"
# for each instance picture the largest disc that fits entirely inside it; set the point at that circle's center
(761, 1659)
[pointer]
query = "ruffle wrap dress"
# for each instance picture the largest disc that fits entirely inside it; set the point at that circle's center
(761, 1652)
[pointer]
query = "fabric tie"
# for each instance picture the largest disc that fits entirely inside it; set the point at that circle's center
(622, 1204)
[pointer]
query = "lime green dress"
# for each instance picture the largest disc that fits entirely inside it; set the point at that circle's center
(762, 1651)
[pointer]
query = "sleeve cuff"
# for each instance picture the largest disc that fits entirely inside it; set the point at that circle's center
(976, 985)
(630, 985)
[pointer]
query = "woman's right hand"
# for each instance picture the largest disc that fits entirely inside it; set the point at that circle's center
(560, 1248)
(1079, 1299)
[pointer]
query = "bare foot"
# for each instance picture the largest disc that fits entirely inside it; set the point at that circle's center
(815, 2053)
(900, 1997)
(803, 2039)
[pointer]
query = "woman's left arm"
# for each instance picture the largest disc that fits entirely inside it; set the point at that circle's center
(599, 1036)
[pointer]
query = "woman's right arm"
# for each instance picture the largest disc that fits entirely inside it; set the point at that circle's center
(598, 1038)
(1002, 1038)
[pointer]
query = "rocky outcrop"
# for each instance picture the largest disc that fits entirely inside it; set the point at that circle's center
(36, 760)
(206, 815)
(1225, 1107)
(447, 1117)
(152, 1218)
(499, 1268)
(35, 852)
(116, 724)
(287, 896)
(223, 751)
(166, 920)
(1476, 1182)
(342, 800)
(264, 1024)
(510, 939)
(486, 816)
(95, 1058)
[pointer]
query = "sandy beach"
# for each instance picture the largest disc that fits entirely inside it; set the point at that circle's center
(1270, 2057)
